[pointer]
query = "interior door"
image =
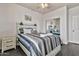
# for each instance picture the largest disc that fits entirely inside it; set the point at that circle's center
(75, 29)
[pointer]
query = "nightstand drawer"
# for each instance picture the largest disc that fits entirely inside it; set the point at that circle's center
(9, 38)
(8, 41)
(10, 46)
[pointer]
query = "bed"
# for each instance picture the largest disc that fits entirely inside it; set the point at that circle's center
(34, 45)
(37, 45)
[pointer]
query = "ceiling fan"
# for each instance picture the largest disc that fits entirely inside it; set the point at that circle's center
(41, 6)
(44, 5)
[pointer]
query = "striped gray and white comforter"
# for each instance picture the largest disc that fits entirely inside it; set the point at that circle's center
(39, 46)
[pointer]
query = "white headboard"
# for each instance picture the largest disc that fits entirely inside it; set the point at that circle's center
(26, 27)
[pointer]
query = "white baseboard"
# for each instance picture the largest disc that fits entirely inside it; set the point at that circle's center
(65, 43)
(74, 42)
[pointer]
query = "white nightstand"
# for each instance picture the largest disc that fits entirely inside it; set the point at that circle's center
(8, 42)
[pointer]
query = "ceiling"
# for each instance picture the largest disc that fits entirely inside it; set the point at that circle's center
(51, 6)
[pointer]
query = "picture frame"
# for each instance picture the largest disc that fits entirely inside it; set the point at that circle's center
(27, 18)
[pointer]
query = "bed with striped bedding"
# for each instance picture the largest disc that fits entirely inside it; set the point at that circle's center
(39, 46)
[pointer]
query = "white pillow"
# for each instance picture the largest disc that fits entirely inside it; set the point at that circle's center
(27, 31)
(43, 35)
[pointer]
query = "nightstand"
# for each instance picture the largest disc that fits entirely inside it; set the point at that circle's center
(8, 42)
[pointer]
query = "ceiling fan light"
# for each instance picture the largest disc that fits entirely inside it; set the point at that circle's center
(46, 5)
(43, 6)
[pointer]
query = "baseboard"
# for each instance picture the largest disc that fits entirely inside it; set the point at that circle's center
(65, 43)
(74, 42)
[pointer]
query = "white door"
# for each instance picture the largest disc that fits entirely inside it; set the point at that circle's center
(75, 29)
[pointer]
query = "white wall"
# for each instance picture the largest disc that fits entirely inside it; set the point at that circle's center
(7, 23)
(62, 14)
(12, 13)
(72, 12)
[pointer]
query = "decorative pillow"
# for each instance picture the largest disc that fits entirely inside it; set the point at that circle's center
(35, 32)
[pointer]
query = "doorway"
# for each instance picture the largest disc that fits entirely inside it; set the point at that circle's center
(53, 25)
